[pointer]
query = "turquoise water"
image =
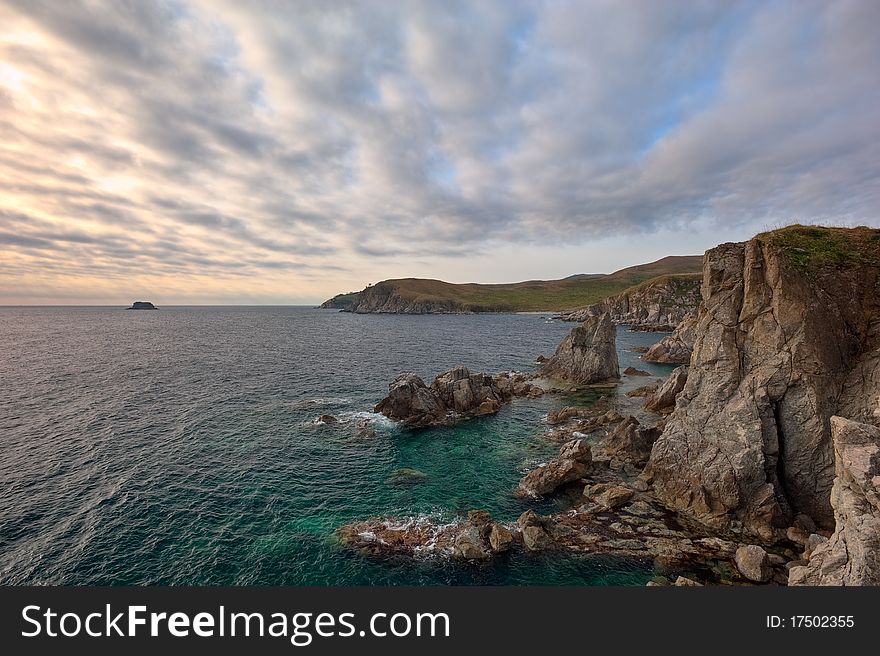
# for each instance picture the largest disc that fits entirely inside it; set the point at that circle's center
(181, 447)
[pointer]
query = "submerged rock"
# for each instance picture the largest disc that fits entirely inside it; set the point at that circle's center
(587, 355)
(327, 419)
(632, 371)
(407, 476)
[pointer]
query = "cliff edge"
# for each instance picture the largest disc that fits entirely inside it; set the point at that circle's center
(786, 337)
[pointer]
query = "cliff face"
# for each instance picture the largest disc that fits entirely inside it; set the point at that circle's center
(661, 303)
(588, 354)
(852, 555)
(785, 338)
(386, 298)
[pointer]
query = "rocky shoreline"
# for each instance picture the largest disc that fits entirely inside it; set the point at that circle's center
(756, 461)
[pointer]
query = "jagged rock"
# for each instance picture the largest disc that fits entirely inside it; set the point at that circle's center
(644, 391)
(327, 419)
(753, 563)
(629, 442)
(852, 555)
(540, 359)
(663, 399)
(454, 395)
(614, 497)
(677, 347)
(535, 538)
(632, 371)
(572, 463)
(469, 545)
(656, 304)
(587, 355)
(500, 538)
(411, 401)
(784, 338)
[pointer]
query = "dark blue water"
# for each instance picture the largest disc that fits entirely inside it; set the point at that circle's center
(181, 447)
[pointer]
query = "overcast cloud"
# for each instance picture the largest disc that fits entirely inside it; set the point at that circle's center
(228, 151)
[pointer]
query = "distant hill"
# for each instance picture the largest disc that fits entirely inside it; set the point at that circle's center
(425, 296)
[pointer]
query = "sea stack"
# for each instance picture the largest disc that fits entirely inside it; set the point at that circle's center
(587, 355)
(142, 305)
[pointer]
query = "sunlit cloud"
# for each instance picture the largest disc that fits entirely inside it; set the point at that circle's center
(220, 151)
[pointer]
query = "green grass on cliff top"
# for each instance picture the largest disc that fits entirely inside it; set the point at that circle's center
(813, 247)
(537, 295)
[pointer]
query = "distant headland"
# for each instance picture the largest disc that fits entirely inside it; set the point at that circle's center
(142, 305)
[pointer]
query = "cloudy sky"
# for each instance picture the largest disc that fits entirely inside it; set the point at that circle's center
(209, 151)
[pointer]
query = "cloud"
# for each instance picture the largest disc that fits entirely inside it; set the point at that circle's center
(283, 142)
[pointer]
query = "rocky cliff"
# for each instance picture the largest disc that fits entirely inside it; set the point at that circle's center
(786, 336)
(852, 555)
(588, 354)
(659, 304)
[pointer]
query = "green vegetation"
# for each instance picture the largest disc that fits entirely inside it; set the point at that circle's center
(814, 247)
(529, 296)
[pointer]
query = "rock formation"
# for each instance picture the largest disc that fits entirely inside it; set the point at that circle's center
(454, 395)
(786, 336)
(629, 442)
(572, 464)
(677, 347)
(852, 555)
(588, 354)
(142, 305)
(663, 398)
(658, 304)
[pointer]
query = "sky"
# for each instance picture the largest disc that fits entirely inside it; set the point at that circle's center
(225, 152)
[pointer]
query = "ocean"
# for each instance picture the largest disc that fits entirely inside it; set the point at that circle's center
(182, 447)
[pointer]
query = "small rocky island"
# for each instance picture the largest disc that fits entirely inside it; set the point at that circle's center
(142, 305)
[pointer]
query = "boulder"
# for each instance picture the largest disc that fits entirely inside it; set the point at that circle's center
(614, 497)
(663, 398)
(753, 563)
(535, 538)
(572, 463)
(632, 371)
(500, 538)
(587, 355)
(469, 544)
(851, 556)
(327, 419)
(685, 582)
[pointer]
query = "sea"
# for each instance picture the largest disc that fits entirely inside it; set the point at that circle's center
(183, 446)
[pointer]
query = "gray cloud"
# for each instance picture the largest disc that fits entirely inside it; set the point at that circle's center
(226, 138)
